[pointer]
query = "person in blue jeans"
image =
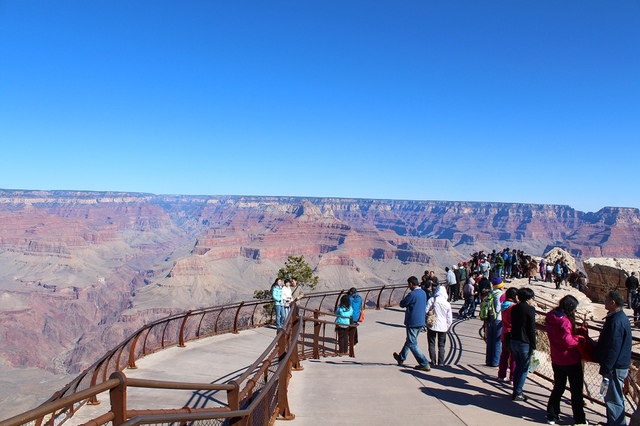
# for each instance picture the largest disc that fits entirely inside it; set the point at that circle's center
(415, 303)
(278, 302)
(494, 327)
(523, 339)
(613, 353)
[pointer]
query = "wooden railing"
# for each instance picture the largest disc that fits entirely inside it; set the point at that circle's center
(292, 344)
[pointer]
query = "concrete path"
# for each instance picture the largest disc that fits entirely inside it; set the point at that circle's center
(370, 389)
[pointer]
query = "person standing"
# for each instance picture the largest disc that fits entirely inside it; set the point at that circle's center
(469, 293)
(356, 305)
(543, 270)
(438, 331)
(451, 282)
(523, 339)
(278, 302)
(415, 303)
(462, 271)
(631, 283)
(565, 359)
(506, 359)
(344, 314)
(287, 296)
(613, 353)
(499, 265)
(494, 326)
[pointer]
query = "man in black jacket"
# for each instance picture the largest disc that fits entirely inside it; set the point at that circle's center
(613, 353)
(632, 287)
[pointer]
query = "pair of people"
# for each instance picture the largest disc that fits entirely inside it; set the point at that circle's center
(612, 352)
(282, 295)
(416, 305)
(348, 312)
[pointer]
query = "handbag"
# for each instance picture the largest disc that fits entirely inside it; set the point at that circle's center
(361, 317)
(430, 318)
(587, 348)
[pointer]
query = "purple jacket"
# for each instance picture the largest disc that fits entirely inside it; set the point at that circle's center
(564, 344)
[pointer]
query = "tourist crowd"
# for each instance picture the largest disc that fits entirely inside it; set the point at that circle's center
(510, 325)
(509, 320)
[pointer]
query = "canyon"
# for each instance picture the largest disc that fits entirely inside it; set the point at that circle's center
(82, 270)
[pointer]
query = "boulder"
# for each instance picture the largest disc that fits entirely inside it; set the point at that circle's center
(606, 274)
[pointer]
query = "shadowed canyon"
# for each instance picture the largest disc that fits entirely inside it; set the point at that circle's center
(80, 271)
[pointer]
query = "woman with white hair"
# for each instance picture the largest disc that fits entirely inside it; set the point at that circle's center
(441, 307)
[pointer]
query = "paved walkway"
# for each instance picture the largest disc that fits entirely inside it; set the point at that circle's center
(370, 389)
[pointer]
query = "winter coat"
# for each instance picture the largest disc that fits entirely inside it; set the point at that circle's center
(442, 308)
(356, 305)
(344, 315)
(562, 340)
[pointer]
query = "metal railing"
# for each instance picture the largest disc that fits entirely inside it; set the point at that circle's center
(306, 336)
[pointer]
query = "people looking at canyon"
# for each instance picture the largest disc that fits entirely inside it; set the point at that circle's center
(278, 302)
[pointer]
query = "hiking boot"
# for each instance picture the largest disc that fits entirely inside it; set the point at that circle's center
(397, 358)
(422, 367)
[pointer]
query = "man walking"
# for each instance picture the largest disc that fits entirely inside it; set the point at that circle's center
(416, 305)
(613, 353)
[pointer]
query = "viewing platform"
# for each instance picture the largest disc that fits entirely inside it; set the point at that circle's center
(370, 389)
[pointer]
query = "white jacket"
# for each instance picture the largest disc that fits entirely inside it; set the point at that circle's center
(442, 309)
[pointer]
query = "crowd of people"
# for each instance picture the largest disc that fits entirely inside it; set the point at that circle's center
(510, 321)
(510, 327)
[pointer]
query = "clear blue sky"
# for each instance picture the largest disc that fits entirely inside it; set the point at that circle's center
(529, 101)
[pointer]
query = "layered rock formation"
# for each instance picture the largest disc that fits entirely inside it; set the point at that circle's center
(81, 270)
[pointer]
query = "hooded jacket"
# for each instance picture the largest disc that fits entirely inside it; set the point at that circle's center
(442, 308)
(562, 340)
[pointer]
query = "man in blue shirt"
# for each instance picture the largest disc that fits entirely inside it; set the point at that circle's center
(415, 303)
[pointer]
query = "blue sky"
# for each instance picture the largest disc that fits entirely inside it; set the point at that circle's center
(528, 102)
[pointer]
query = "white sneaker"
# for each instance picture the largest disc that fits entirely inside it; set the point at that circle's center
(551, 422)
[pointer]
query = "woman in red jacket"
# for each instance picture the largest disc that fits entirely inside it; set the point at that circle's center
(565, 359)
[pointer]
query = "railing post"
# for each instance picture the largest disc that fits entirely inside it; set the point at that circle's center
(235, 320)
(379, 296)
(316, 335)
(184, 322)
(295, 356)
(118, 397)
(284, 413)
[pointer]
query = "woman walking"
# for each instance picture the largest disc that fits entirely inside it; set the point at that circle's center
(523, 339)
(565, 359)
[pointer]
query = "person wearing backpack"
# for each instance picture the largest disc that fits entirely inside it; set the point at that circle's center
(508, 261)
(557, 274)
(490, 310)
